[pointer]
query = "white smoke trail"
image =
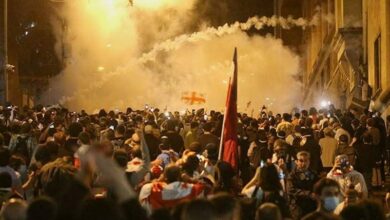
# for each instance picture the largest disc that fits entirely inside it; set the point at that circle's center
(209, 33)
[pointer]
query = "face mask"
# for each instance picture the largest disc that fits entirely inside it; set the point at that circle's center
(331, 202)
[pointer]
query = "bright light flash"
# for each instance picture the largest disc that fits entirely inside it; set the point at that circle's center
(100, 68)
(325, 103)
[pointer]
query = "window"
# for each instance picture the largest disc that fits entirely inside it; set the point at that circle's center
(377, 65)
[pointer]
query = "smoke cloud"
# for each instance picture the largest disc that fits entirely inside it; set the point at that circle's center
(122, 56)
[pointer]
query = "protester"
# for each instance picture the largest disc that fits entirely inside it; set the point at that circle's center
(143, 164)
(346, 176)
(328, 147)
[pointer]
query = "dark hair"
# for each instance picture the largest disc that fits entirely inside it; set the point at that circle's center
(268, 211)
(367, 138)
(121, 129)
(343, 138)
(100, 208)
(364, 210)
(75, 129)
(195, 147)
(84, 138)
(194, 124)
(42, 208)
(5, 180)
(5, 156)
(26, 128)
(212, 151)
(191, 164)
(286, 117)
(225, 205)
(172, 173)
(208, 126)
(225, 178)
(323, 183)
(16, 161)
(269, 178)
(199, 209)
(121, 158)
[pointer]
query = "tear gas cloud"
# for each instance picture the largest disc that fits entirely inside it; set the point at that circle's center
(118, 55)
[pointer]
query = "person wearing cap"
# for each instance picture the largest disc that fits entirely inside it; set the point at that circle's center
(345, 175)
(328, 148)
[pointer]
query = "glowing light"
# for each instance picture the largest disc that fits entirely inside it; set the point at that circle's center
(100, 68)
(325, 103)
(26, 33)
(108, 45)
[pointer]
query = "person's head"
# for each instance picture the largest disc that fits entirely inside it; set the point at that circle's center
(75, 129)
(25, 128)
(328, 132)
(367, 138)
(121, 158)
(351, 196)
(268, 211)
(191, 164)
(343, 163)
(42, 208)
(194, 125)
(56, 178)
(164, 143)
(297, 115)
(262, 136)
(100, 208)
(226, 206)
(14, 209)
(371, 122)
(208, 127)
(281, 135)
(327, 192)
(303, 160)
(195, 147)
(211, 151)
(172, 173)
(5, 156)
(363, 210)
(343, 139)
(269, 178)
(120, 130)
(84, 138)
(199, 209)
(225, 174)
(5, 180)
(286, 117)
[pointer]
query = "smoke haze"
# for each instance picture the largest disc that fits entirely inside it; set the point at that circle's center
(122, 56)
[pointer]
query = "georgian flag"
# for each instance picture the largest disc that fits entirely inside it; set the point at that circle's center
(162, 195)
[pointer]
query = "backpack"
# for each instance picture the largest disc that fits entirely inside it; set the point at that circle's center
(21, 148)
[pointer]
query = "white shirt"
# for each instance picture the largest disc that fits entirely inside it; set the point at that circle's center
(345, 180)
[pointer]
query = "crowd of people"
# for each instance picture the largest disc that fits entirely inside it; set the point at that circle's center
(152, 164)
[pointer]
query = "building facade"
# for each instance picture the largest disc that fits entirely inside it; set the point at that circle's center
(376, 41)
(346, 54)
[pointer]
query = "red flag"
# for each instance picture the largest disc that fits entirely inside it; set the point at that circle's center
(228, 150)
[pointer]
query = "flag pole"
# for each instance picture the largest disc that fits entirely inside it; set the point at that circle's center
(223, 125)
